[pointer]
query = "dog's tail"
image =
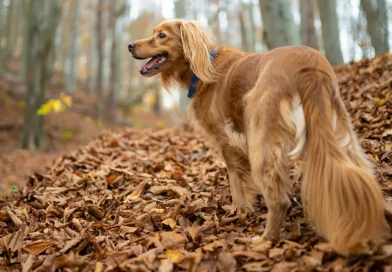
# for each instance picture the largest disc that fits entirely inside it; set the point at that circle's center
(340, 194)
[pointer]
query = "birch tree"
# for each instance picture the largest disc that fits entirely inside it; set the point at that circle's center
(330, 31)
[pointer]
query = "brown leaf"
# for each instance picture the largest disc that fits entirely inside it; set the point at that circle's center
(14, 218)
(169, 222)
(226, 261)
(37, 247)
(28, 264)
(284, 267)
(172, 240)
(125, 230)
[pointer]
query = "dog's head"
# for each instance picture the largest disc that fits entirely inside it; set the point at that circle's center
(174, 46)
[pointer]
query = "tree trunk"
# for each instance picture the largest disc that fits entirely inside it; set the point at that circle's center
(113, 76)
(100, 41)
(6, 50)
(278, 23)
(74, 48)
(25, 44)
(252, 32)
(92, 54)
(2, 8)
(158, 100)
(244, 33)
(377, 24)
(41, 42)
(308, 31)
(15, 19)
(330, 31)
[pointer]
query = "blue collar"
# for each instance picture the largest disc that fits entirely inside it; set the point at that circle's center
(195, 80)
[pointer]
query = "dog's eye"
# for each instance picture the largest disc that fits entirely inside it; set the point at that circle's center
(161, 35)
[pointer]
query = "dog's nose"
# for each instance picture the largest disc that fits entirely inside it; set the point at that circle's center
(131, 46)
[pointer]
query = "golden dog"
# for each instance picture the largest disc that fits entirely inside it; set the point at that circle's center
(264, 111)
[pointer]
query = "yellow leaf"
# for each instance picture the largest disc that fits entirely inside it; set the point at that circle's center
(382, 101)
(67, 100)
(44, 109)
(57, 105)
(174, 256)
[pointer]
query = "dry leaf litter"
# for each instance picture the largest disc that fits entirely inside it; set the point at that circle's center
(158, 200)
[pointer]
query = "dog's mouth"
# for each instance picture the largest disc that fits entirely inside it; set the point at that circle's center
(153, 64)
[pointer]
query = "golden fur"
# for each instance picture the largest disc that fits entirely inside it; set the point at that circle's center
(264, 111)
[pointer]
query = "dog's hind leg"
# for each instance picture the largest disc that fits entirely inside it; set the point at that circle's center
(272, 138)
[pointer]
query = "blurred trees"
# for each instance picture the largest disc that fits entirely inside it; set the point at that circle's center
(88, 54)
(330, 31)
(43, 18)
(71, 85)
(377, 24)
(308, 30)
(279, 28)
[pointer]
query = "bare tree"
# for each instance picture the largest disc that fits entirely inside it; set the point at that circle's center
(43, 21)
(278, 23)
(330, 31)
(71, 85)
(245, 43)
(5, 52)
(116, 9)
(25, 44)
(308, 31)
(100, 41)
(2, 8)
(377, 24)
(252, 32)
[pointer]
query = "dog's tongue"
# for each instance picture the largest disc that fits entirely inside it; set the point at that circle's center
(150, 64)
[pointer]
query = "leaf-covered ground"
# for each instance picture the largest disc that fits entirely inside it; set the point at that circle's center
(158, 200)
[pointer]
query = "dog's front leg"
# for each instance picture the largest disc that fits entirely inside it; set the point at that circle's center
(243, 190)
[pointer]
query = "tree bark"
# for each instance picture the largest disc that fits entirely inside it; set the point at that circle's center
(330, 31)
(100, 40)
(252, 32)
(71, 85)
(377, 24)
(278, 23)
(308, 31)
(113, 76)
(244, 33)
(6, 50)
(92, 54)
(25, 44)
(43, 21)
(2, 8)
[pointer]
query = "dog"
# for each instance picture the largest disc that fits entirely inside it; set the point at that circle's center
(264, 112)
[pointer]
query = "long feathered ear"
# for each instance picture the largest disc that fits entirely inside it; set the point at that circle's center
(197, 43)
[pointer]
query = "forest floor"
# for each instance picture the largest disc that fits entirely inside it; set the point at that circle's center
(65, 131)
(159, 200)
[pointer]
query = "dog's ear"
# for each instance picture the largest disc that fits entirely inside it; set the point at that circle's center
(197, 44)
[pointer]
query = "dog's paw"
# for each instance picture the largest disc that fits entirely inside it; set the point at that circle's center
(269, 236)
